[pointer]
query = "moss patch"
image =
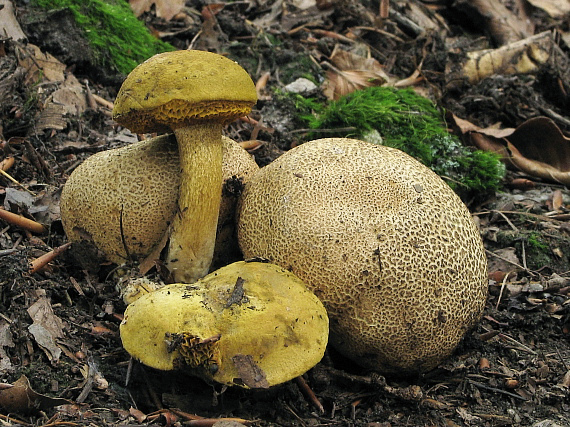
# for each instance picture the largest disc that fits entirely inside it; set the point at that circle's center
(404, 120)
(119, 40)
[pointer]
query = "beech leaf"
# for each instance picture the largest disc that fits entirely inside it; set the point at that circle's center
(537, 147)
(166, 9)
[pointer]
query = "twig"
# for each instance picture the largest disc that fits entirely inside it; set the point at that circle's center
(502, 289)
(40, 262)
(510, 262)
(309, 394)
(537, 216)
(21, 221)
(5, 252)
(14, 420)
(518, 344)
(8, 176)
(496, 390)
(102, 101)
(508, 220)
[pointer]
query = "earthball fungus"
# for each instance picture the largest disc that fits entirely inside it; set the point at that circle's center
(194, 94)
(124, 199)
(382, 240)
(249, 324)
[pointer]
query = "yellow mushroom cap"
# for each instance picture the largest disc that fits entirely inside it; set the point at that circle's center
(249, 324)
(173, 89)
(383, 241)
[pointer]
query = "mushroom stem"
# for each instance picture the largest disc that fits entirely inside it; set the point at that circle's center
(193, 234)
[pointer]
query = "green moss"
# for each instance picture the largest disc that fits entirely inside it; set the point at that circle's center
(119, 40)
(404, 120)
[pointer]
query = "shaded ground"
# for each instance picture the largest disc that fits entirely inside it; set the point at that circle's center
(514, 369)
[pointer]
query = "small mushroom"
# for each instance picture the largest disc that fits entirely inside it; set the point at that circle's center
(383, 241)
(123, 200)
(249, 324)
(194, 94)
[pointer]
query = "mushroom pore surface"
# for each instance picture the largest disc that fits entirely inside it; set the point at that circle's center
(249, 324)
(173, 89)
(124, 199)
(387, 246)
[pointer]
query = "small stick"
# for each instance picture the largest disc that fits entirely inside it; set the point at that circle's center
(21, 221)
(7, 175)
(502, 289)
(309, 394)
(102, 101)
(46, 258)
(90, 99)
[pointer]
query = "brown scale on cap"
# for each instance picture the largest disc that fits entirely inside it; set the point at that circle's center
(389, 248)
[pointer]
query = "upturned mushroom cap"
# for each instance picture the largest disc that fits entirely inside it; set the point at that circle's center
(253, 325)
(387, 246)
(172, 89)
(123, 200)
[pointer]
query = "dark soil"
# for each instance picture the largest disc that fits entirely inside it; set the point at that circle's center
(513, 369)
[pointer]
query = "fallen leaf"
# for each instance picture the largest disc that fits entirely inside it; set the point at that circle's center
(349, 71)
(554, 8)
(5, 341)
(46, 327)
(9, 26)
(40, 66)
(166, 9)
(21, 398)
(537, 147)
(557, 201)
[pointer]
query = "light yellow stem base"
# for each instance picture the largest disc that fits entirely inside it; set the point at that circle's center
(194, 227)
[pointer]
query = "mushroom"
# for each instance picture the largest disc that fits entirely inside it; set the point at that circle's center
(382, 240)
(123, 200)
(249, 324)
(194, 94)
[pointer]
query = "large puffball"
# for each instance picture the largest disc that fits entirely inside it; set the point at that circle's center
(387, 246)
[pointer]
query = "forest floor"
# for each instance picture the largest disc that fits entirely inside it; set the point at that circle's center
(59, 326)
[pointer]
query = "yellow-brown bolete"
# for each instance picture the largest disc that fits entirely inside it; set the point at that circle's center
(249, 324)
(194, 94)
(387, 246)
(123, 200)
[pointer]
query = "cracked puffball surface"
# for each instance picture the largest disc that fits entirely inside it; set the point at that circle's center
(248, 324)
(123, 200)
(382, 240)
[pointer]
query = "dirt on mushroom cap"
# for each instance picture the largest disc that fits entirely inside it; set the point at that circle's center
(388, 247)
(249, 324)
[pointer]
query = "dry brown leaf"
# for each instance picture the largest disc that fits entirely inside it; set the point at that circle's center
(349, 72)
(9, 26)
(166, 9)
(524, 56)
(557, 201)
(46, 327)
(40, 65)
(554, 8)
(21, 398)
(537, 147)
(504, 24)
